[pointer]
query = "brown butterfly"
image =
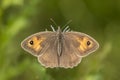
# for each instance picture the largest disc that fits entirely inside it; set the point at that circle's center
(60, 48)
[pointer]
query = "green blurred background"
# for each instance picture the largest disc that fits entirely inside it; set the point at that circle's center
(21, 18)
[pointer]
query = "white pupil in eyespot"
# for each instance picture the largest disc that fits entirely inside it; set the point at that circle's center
(31, 42)
(88, 43)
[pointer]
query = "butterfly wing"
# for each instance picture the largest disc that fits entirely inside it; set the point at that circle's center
(49, 56)
(68, 58)
(35, 43)
(75, 46)
(42, 47)
(83, 43)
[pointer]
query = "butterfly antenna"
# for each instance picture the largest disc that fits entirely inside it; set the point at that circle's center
(66, 28)
(53, 22)
(52, 28)
(66, 25)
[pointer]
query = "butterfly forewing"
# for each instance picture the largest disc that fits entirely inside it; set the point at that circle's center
(82, 43)
(39, 42)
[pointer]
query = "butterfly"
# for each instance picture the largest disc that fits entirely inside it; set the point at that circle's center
(60, 48)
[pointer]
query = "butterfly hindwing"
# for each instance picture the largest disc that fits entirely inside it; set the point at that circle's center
(68, 58)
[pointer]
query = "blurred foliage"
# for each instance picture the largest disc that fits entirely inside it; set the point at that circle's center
(21, 18)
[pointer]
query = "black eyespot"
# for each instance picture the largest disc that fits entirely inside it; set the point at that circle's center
(88, 43)
(31, 42)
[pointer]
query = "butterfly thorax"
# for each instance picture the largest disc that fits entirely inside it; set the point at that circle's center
(59, 39)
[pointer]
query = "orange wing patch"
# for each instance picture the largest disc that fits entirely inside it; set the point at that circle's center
(83, 43)
(36, 43)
